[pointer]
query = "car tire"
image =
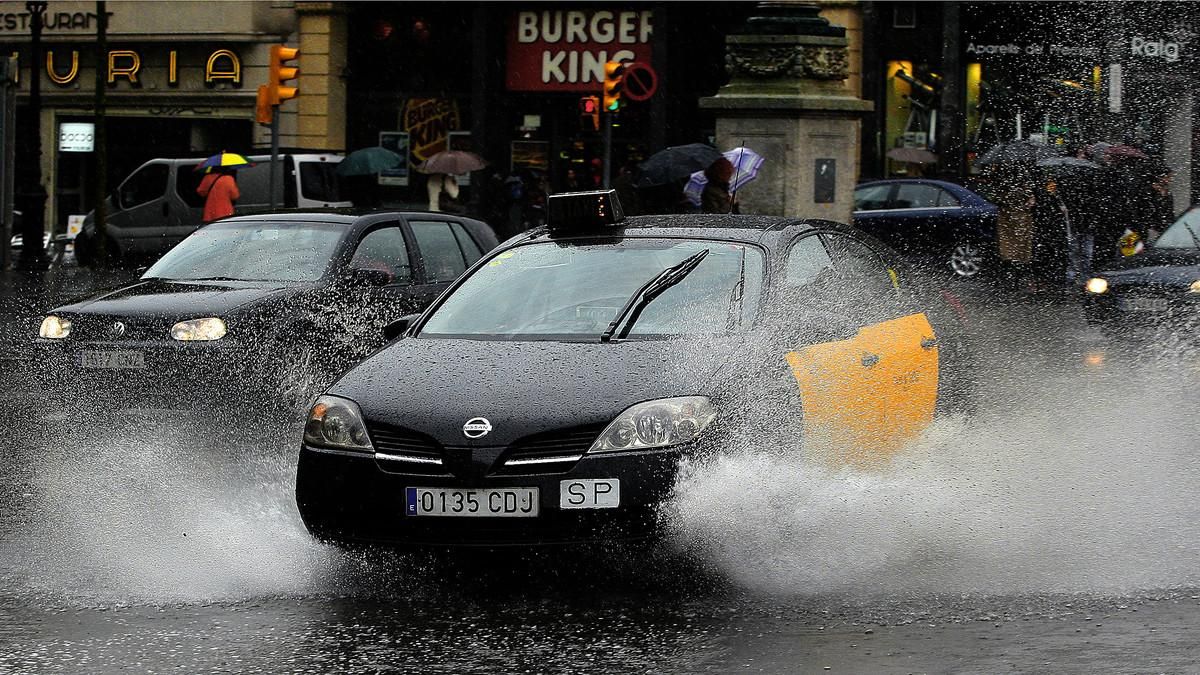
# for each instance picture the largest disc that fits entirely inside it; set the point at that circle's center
(966, 258)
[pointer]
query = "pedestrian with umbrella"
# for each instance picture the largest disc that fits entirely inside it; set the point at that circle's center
(1076, 184)
(1011, 169)
(746, 164)
(360, 170)
(442, 186)
(219, 187)
(662, 177)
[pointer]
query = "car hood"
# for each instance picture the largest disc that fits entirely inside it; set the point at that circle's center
(434, 386)
(1167, 267)
(185, 299)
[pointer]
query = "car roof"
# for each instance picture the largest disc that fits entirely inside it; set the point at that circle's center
(745, 228)
(346, 216)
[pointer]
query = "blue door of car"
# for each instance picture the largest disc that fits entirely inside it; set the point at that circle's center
(872, 208)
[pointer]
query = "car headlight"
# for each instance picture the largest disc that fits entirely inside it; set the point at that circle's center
(55, 327)
(1195, 287)
(210, 328)
(1097, 285)
(657, 424)
(335, 422)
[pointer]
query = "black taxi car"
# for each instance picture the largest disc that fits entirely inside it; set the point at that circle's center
(1159, 287)
(551, 393)
(277, 300)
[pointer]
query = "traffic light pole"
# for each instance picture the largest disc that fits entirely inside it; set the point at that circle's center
(275, 165)
(608, 126)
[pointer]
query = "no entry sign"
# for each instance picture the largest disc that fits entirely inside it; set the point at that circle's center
(640, 81)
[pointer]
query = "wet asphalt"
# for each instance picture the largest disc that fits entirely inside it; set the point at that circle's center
(1055, 531)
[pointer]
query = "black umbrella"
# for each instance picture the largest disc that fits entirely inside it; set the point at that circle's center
(1068, 164)
(676, 163)
(1016, 152)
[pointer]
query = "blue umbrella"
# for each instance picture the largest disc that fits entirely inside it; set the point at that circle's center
(369, 161)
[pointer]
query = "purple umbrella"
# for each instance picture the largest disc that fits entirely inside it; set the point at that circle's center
(746, 164)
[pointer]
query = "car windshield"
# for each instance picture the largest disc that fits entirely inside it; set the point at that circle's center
(574, 291)
(1183, 233)
(257, 251)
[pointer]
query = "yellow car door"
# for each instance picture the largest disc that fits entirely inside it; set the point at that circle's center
(905, 370)
(866, 395)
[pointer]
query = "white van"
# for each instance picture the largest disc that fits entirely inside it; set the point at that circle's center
(157, 205)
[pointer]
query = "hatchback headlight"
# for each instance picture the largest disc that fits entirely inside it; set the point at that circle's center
(657, 424)
(55, 327)
(1097, 285)
(1195, 287)
(335, 422)
(210, 328)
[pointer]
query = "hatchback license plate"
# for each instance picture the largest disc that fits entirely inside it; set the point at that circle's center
(496, 502)
(1145, 304)
(112, 359)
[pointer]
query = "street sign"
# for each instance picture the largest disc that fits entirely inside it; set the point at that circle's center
(640, 81)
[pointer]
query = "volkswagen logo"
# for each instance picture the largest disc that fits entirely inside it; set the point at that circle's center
(477, 427)
(117, 330)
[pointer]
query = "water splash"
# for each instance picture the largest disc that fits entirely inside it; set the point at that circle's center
(1072, 482)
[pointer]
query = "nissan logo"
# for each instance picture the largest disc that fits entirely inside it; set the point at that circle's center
(477, 427)
(117, 330)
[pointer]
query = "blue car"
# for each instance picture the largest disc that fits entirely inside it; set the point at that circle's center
(942, 224)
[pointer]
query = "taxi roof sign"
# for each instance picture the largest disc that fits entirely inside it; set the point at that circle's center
(570, 212)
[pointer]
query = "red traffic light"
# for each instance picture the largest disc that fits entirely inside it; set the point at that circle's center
(589, 105)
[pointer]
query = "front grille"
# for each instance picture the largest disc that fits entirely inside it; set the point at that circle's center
(557, 443)
(400, 441)
(101, 328)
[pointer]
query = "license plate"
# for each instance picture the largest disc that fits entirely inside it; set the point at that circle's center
(1145, 304)
(112, 359)
(589, 493)
(493, 502)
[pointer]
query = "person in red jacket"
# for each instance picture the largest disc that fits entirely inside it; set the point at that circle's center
(220, 191)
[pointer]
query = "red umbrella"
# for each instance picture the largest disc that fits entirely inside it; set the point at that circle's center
(454, 162)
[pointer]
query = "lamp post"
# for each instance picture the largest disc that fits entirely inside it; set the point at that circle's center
(33, 255)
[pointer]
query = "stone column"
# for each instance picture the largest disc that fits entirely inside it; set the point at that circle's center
(321, 112)
(790, 100)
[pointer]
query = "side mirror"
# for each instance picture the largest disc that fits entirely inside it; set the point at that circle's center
(399, 327)
(368, 277)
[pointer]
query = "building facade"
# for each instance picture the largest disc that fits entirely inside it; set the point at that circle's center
(506, 79)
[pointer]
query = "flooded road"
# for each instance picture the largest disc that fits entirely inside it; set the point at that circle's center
(1054, 531)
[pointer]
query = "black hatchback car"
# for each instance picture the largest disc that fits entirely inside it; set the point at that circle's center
(1158, 287)
(280, 300)
(551, 394)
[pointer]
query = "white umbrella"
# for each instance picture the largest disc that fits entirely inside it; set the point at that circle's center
(746, 164)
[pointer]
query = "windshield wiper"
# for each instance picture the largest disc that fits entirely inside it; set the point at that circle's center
(646, 294)
(737, 297)
(214, 279)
